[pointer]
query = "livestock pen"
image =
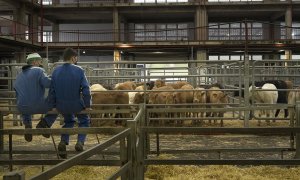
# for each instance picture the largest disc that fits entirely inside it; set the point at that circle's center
(145, 139)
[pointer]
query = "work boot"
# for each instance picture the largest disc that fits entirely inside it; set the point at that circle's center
(28, 137)
(43, 124)
(62, 150)
(79, 146)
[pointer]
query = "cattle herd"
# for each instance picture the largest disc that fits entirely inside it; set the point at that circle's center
(184, 95)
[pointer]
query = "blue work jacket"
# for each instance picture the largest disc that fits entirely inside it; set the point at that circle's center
(70, 91)
(30, 88)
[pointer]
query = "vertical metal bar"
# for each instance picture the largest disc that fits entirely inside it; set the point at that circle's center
(141, 146)
(1, 135)
(15, 30)
(292, 124)
(146, 123)
(132, 149)
(246, 77)
(10, 153)
(123, 154)
(240, 88)
(297, 156)
(31, 29)
(157, 144)
(42, 22)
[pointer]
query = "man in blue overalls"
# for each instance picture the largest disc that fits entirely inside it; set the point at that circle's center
(30, 88)
(70, 92)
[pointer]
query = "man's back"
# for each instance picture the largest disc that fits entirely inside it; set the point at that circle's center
(68, 81)
(30, 86)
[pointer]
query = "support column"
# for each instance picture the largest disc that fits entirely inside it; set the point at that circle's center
(116, 25)
(55, 32)
(288, 54)
(34, 28)
(20, 56)
(20, 21)
(126, 32)
(271, 31)
(55, 1)
(288, 22)
(117, 58)
(201, 23)
(200, 55)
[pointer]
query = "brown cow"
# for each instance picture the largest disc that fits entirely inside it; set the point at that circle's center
(199, 98)
(183, 97)
(110, 98)
(161, 98)
(219, 100)
(159, 83)
(294, 96)
(178, 84)
(128, 85)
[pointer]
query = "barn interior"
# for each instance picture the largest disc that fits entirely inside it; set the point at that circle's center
(231, 43)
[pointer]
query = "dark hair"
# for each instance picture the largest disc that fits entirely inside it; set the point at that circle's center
(68, 53)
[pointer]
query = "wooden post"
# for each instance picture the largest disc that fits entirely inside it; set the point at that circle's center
(15, 175)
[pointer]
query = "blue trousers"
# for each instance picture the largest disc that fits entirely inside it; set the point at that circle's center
(69, 120)
(50, 118)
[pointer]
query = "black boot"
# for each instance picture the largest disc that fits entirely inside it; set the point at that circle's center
(62, 150)
(79, 146)
(43, 124)
(28, 137)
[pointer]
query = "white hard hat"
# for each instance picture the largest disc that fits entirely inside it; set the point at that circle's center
(33, 57)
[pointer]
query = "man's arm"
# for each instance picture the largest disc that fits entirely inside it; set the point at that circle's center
(86, 94)
(45, 80)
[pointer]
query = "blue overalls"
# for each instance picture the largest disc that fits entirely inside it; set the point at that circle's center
(30, 87)
(70, 92)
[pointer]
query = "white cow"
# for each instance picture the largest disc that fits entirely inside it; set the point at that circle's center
(266, 97)
(97, 87)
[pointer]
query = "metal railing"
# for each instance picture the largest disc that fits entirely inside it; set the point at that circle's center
(225, 72)
(13, 30)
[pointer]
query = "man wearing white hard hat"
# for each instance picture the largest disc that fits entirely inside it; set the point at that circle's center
(30, 88)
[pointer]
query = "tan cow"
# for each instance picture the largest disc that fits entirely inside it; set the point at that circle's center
(219, 100)
(294, 96)
(159, 83)
(110, 98)
(161, 98)
(128, 85)
(183, 97)
(178, 84)
(199, 98)
(138, 97)
(97, 87)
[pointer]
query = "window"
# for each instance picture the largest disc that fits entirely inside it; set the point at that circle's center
(160, 32)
